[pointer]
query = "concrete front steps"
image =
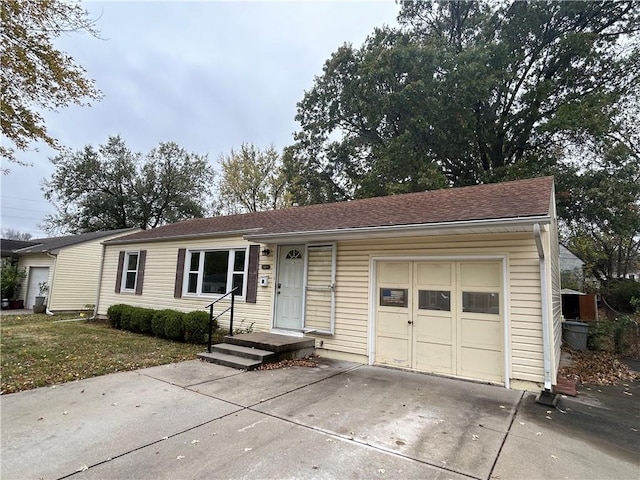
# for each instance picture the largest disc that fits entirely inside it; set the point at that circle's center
(248, 351)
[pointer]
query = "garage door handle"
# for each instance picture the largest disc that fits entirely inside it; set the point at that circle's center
(410, 322)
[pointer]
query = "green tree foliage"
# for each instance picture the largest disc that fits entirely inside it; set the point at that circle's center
(463, 93)
(112, 187)
(600, 206)
(35, 75)
(251, 181)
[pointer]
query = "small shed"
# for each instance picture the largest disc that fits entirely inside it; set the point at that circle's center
(578, 305)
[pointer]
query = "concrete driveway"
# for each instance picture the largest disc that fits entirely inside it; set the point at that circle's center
(338, 420)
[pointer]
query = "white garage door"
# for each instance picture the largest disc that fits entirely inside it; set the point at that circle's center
(441, 317)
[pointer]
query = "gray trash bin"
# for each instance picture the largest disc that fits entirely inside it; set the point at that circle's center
(575, 334)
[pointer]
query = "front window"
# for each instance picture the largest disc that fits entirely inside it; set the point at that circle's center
(215, 272)
(130, 271)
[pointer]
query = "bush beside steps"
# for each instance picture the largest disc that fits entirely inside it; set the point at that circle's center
(192, 327)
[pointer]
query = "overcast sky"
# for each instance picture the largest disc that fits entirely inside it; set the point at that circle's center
(207, 75)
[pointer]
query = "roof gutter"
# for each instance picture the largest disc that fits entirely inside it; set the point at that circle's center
(546, 347)
(389, 230)
(188, 236)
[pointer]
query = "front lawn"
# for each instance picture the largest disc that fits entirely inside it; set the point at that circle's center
(39, 350)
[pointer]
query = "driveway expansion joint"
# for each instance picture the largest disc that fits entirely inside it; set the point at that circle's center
(504, 439)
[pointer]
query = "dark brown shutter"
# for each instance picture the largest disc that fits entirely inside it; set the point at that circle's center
(142, 259)
(119, 274)
(177, 291)
(252, 277)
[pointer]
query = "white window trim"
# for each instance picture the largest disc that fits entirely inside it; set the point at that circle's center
(125, 270)
(230, 272)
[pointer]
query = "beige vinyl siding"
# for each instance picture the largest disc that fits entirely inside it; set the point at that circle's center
(75, 278)
(34, 260)
(523, 285)
(159, 281)
(556, 297)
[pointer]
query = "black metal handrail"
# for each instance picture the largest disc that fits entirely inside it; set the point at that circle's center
(231, 292)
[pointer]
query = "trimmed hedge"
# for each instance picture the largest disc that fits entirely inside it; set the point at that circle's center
(192, 327)
(196, 327)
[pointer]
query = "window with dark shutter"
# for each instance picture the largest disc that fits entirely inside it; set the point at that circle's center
(119, 274)
(252, 274)
(141, 263)
(177, 291)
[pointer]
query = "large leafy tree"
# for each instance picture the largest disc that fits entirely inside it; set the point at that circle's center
(35, 75)
(462, 93)
(111, 187)
(251, 180)
(599, 200)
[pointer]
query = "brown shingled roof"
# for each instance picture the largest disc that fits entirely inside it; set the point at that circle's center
(516, 199)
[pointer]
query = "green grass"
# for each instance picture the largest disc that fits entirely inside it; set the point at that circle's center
(37, 351)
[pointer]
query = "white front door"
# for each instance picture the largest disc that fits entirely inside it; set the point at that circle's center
(289, 287)
(37, 275)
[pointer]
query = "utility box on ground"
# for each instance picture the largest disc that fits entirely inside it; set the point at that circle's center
(575, 334)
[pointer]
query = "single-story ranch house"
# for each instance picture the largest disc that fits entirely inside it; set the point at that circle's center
(69, 266)
(462, 282)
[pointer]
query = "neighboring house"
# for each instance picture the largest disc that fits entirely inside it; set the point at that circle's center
(8, 247)
(463, 282)
(70, 266)
(569, 262)
(571, 270)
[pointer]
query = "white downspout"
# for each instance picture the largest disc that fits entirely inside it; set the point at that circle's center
(95, 309)
(53, 271)
(545, 308)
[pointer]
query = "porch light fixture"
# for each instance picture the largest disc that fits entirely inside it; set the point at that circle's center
(266, 252)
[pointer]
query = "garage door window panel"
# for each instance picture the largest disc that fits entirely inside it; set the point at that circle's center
(394, 297)
(434, 300)
(481, 302)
